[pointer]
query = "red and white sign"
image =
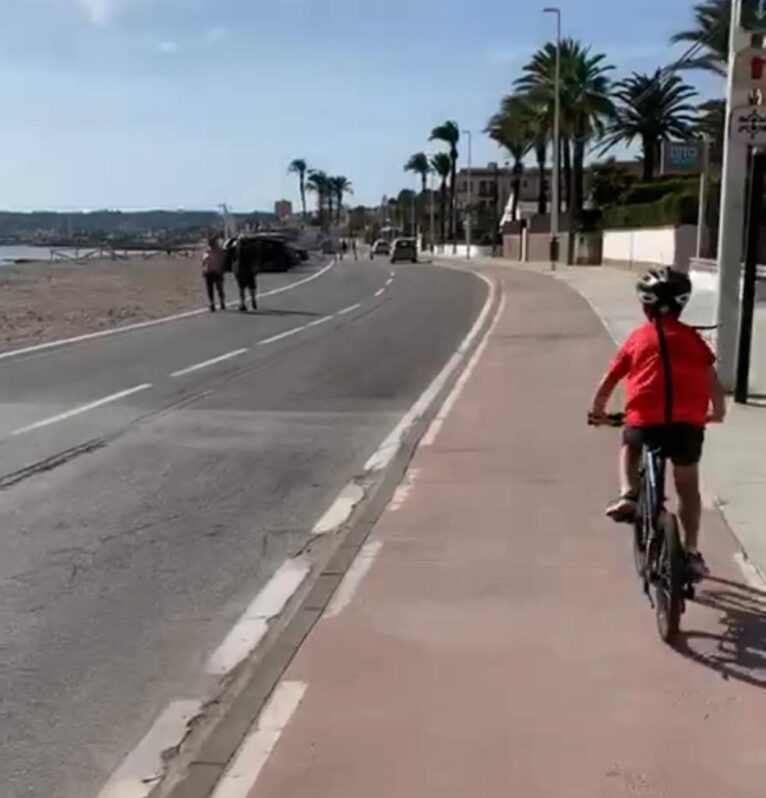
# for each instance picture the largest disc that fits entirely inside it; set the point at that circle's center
(750, 69)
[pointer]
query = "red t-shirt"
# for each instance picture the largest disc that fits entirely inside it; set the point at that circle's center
(639, 363)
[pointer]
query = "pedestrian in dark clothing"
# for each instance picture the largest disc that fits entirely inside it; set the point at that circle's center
(212, 271)
(246, 272)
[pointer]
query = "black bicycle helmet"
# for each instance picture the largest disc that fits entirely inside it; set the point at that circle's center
(664, 290)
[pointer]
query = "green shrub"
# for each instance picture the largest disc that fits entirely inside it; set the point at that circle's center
(671, 210)
(643, 193)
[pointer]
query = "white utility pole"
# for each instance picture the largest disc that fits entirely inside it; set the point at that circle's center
(732, 217)
(433, 226)
(702, 215)
(556, 142)
(469, 208)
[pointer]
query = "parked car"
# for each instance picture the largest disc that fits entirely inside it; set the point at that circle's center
(267, 253)
(404, 249)
(380, 247)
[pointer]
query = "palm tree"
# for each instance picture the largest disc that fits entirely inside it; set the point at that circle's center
(449, 133)
(442, 165)
(419, 164)
(711, 32)
(339, 187)
(300, 167)
(512, 128)
(319, 183)
(711, 123)
(651, 108)
(585, 104)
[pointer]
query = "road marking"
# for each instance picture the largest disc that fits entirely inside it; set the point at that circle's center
(206, 363)
(349, 309)
(140, 325)
(380, 292)
(389, 281)
(752, 573)
(400, 496)
(353, 578)
(436, 424)
(340, 510)
(253, 624)
(239, 779)
(293, 331)
(115, 397)
(390, 446)
(144, 766)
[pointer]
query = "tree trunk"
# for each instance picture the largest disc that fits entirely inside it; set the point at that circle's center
(329, 208)
(650, 147)
(303, 196)
(443, 201)
(518, 168)
(453, 208)
(579, 176)
(541, 152)
(566, 157)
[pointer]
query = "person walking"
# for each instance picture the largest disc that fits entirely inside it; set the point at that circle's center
(212, 271)
(354, 249)
(245, 270)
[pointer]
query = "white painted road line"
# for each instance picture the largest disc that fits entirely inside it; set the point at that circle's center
(389, 281)
(240, 778)
(137, 775)
(752, 574)
(212, 362)
(340, 510)
(349, 309)
(353, 578)
(254, 622)
(143, 324)
(380, 292)
(436, 424)
(390, 446)
(115, 397)
(293, 331)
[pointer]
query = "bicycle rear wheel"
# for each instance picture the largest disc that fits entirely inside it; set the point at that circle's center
(669, 581)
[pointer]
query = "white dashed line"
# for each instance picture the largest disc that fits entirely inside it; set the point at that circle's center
(138, 774)
(239, 779)
(340, 510)
(212, 362)
(253, 624)
(294, 331)
(115, 397)
(380, 292)
(350, 309)
(389, 281)
(353, 578)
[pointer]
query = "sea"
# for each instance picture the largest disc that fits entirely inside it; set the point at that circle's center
(11, 254)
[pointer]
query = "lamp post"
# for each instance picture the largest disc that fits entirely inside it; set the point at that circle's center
(556, 141)
(469, 202)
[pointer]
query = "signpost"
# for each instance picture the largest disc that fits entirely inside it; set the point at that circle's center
(682, 157)
(753, 16)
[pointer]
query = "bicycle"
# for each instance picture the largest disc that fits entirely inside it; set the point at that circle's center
(658, 554)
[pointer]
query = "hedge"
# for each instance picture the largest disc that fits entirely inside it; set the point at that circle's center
(643, 193)
(671, 210)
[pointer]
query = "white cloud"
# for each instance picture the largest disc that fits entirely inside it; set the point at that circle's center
(168, 47)
(216, 35)
(99, 12)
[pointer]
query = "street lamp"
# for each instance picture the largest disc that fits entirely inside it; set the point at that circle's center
(469, 209)
(556, 141)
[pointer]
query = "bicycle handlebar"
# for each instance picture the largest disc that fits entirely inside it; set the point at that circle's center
(607, 420)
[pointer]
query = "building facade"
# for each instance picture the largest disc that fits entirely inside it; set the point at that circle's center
(283, 209)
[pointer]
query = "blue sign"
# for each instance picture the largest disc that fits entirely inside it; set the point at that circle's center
(681, 156)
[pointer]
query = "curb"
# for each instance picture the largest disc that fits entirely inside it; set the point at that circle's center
(215, 736)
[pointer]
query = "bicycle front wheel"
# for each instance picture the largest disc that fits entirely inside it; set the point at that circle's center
(669, 581)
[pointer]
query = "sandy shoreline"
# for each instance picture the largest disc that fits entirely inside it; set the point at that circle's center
(43, 301)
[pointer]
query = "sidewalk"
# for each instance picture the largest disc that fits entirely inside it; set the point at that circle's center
(492, 639)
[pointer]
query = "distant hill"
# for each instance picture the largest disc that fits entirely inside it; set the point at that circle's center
(159, 224)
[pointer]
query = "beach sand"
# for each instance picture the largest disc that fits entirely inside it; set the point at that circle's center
(46, 301)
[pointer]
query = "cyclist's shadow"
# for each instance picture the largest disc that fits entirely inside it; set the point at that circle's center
(737, 649)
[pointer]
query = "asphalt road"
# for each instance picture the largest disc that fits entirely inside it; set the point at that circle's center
(141, 511)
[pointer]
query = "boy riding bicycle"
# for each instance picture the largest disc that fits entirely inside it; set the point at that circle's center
(672, 417)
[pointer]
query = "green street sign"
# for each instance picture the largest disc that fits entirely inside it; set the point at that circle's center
(752, 16)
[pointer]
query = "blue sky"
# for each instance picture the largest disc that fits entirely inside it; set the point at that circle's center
(188, 103)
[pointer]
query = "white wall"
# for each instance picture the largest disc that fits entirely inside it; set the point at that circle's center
(669, 246)
(449, 251)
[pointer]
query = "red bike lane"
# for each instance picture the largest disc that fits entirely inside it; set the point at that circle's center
(500, 643)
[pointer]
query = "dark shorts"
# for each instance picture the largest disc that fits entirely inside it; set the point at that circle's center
(246, 279)
(680, 443)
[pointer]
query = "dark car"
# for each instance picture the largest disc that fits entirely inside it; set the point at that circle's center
(404, 249)
(264, 253)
